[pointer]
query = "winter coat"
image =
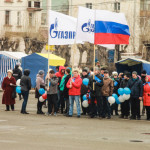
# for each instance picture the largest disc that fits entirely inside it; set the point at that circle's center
(116, 85)
(59, 75)
(108, 87)
(8, 90)
(62, 83)
(76, 86)
(98, 85)
(84, 89)
(17, 73)
(146, 93)
(53, 85)
(39, 84)
(124, 83)
(25, 81)
(66, 90)
(136, 87)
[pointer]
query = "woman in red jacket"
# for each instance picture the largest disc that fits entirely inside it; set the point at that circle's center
(146, 96)
(8, 87)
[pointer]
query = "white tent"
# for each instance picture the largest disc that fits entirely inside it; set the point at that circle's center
(8, 61)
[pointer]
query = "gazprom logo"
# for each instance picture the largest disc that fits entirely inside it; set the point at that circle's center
(55, 33)
(88, 27)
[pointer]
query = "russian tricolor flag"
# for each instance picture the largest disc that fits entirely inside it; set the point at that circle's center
(111, 28)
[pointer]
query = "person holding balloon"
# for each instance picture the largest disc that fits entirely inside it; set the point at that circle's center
(25, 88)
(96, 95)
(40, 90)
(136, 87)
(8, 86)
(146, 96)
(107, 90)
(125, 106)
(116, 87)
(84, 90)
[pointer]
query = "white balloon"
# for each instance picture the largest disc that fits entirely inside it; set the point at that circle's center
(18, 82)
(41, 99)
(111, 99)
(121, 99)
(126, 97)
(85, 104)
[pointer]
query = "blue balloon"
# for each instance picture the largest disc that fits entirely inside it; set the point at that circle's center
(115, 96)
(117, 101)
(127, 91)
(120, 91)
(18, 89)
(49, 84)
(41, 91)
(89, 96)
(84, 97)
(85, 81)
(115, 83)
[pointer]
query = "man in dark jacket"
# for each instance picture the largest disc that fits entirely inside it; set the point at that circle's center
(84, 90)
(143, 76)
(25, 87)
(136, 86)
(17, 74)
(66, 91)
(97, 81)
(125, 106)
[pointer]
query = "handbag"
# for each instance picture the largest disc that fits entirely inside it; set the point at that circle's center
(13, 96)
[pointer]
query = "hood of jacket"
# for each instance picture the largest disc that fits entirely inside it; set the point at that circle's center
(60, 74)
(39, 76)
(26, 72)
(148, 78)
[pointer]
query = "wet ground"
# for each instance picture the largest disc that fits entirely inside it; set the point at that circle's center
(39, 132)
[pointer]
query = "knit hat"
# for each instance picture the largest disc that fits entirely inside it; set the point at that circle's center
(106, 71)
(84, 70)
(10, 71)
(41, 72)
(128, 74)
(144, 72)
(134, 72)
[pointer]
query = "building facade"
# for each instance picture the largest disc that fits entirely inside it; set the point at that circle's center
(19, 18)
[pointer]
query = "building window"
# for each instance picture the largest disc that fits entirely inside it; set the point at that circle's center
(37, 4)
(29, 4)
(116, 6)
(7, 17)
(145, 4)
(43, 19)
(18, 18)
(89, 5)
(30, 19)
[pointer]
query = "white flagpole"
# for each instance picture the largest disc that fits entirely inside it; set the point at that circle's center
(48, 21)
(94, 50)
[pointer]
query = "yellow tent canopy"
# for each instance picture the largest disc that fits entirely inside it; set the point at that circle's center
(53, 59)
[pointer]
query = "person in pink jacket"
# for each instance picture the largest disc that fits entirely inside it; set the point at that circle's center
(146, 96)
(74, 86)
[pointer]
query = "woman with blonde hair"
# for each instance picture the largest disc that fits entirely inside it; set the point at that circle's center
(8, 87)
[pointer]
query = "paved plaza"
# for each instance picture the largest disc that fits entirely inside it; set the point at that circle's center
(39, 132)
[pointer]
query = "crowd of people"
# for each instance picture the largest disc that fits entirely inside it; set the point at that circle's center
(65, 86)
